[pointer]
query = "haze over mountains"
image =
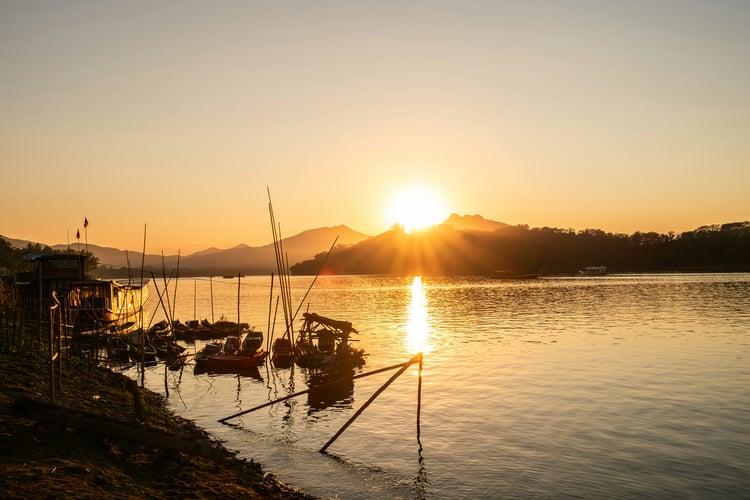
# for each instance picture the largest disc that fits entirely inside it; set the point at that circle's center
(246, 259)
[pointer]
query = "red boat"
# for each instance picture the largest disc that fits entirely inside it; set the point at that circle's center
(232, 361)
(233, 354)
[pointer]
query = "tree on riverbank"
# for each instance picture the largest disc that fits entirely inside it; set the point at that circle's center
(12, 258)
(443, 250)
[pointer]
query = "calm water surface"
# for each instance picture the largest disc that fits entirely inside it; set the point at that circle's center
(625, 386)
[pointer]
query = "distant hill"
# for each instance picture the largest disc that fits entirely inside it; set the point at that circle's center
(242, 258)
(262, 260)
(473, 223)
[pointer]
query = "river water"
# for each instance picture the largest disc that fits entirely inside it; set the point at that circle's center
(623, 386)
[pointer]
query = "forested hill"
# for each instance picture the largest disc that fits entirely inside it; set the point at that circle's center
(446, 250)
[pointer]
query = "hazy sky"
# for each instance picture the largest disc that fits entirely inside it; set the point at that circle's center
(624, 116)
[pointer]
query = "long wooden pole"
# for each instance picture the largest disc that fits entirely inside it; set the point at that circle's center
(268, 329)
(140, 306)
(314, 279)
(282, 268)
(419, 397)
(417, 357)
(211, 284)
(176, 280)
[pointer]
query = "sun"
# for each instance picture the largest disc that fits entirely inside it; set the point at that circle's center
(416, 207)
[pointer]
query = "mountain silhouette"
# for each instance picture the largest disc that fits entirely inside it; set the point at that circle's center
(240, 259)
(473, 223)
(461, 245)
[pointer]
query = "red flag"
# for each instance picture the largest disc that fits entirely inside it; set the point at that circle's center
(78, 234)
(85, 222)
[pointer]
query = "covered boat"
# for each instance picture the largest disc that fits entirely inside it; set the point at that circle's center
(99, 305)
(325, 343)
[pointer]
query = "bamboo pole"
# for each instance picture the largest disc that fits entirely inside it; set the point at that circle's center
(211, 285)
(417, 358)
(419, 397)
(140, 299)
(176, 280)
(168, 313)
(315, 279)
(283, 270)
(161, 302)
(270, 303)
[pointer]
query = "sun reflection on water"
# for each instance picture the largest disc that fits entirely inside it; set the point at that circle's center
(418, 326)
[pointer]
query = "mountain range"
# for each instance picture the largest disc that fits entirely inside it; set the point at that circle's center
(246, 259)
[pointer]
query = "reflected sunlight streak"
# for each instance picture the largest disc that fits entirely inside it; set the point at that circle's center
(418, 325)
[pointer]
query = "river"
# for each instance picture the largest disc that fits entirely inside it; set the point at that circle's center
(622, 386)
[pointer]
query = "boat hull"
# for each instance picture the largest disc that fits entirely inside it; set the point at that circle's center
(223, 362)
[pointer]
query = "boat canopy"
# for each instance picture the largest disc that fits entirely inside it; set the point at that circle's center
(342, 326)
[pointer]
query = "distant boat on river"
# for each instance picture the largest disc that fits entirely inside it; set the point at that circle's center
(593, 271)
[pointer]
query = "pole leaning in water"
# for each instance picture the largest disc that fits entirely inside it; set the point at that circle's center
(416, 359)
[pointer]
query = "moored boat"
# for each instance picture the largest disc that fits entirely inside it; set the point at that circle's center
(593, 271)
(101, 305)
(234, 353)
(324, 343)
(141, 348)
(282, 353)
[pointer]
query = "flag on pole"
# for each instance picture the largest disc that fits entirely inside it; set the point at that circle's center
(85, 222)
(78, 234)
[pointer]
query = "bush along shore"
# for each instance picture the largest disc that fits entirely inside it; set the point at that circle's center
(103, 436)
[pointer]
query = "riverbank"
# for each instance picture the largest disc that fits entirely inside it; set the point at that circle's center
(108, 438)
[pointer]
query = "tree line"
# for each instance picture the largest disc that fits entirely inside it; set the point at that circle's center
(12, 258)
(444, 250)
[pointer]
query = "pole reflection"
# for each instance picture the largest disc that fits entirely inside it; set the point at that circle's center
(418, 326)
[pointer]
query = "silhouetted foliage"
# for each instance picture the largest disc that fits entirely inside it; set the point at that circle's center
(11, 258)
(443, 250)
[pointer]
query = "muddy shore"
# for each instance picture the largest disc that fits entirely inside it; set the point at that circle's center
(105, 437)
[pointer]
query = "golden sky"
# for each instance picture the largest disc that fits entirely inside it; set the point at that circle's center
(177, 115)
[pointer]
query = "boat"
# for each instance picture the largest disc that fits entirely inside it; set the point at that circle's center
(593, 271)
(118, 350)
(141, 348)
(235, 353)
(324, 343)
(282, 353)
(99, 305)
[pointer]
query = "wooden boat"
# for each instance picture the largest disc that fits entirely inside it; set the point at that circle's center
(282, 353)
(100, 305)
(118, 350)
(323, 343)
(141, 347)
(233, 354)
(221, 361)
(593, 271)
